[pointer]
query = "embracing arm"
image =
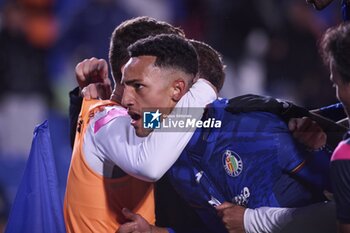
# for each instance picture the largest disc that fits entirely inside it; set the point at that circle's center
(287, 110)
(303, 219)
(150, 159)
(237, 219)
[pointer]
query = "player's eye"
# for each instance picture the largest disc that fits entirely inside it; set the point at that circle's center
(138, 86)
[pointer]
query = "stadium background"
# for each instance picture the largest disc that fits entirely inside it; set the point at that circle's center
(269, 47)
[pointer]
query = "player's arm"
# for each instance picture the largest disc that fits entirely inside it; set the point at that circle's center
(238, 219)
(308, 164)
(150, 159)
(316, 218)
(287, 110)
(93, 82)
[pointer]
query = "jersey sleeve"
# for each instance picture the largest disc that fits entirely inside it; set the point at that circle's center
(303, 219)
(150, 158)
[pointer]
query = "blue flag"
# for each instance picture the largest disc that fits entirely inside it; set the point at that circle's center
(37, 207)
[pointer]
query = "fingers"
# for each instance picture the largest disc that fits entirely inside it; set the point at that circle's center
(129, 215)
(292, 124)
(299, 124)
(87, 67)
(128, 228)
(90, 92)
(103, 67)
(97, 91)
(307, 132)
(232, 217)
(79, 75)
(96, 70)
(220, 209)
(92, 70)
(224, 206)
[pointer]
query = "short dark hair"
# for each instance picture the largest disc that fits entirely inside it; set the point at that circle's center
(171, 51)
(210, 64)
(335, 46)
(131, 31)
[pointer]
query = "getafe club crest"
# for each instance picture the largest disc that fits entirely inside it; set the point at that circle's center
(232, 163)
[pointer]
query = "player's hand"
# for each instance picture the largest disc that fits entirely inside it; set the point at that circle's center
(92, 70)
(96, 91)
(232, 216)
(307, 132)
(137, 223)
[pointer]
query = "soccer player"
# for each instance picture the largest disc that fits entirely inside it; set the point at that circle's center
(92, 76)
(87, 68)
(95, 191)
(335, 46)
(209, 170)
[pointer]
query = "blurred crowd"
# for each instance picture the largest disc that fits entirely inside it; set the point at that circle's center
(269, 47)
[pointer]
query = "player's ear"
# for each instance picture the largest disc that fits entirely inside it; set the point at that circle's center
(179, 89)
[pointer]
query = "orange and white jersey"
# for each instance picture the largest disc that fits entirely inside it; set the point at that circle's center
(105, 139)
(93, 203)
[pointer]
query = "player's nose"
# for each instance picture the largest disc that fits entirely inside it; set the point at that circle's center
(128, 99)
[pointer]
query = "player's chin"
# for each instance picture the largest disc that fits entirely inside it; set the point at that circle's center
(142, 132)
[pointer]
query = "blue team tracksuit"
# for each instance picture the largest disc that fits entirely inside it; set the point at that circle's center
(252, 160)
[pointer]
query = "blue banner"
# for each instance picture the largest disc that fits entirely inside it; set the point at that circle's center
(37, 207)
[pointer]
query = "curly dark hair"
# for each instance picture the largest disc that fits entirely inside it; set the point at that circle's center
(131, 31)
(335, 46)
(171, 51)
(210, 64)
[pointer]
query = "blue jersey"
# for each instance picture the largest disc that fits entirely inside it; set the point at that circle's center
(252, 160)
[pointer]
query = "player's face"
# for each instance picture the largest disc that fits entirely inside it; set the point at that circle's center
(319, 4)
(342, 88)
(147, 88)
